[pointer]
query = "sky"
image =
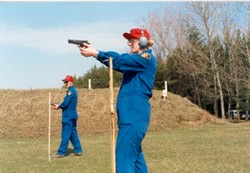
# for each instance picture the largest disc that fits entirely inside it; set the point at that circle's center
(34, 52)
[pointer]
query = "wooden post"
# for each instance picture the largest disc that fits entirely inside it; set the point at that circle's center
(166, 85)
(111, 88)
(49, 127)
(165, 91)
(89, 82)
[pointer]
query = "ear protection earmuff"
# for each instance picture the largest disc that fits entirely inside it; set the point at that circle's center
(143, 41)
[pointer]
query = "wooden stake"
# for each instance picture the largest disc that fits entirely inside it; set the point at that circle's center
(111, 88)
(49, 127)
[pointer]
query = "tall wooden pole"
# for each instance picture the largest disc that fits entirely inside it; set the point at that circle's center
(111, 88)
(49, 127)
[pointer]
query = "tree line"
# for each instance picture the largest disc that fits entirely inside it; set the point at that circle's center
(203, 52)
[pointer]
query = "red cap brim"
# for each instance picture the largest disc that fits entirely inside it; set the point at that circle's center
(128, 36)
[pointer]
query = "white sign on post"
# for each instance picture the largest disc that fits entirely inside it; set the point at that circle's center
(90, 84)
(165, 91)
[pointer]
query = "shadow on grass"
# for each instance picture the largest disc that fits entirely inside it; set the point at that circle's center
(69, 151)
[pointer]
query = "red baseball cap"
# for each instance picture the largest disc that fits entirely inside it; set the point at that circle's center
(136, 33)
(68, 78)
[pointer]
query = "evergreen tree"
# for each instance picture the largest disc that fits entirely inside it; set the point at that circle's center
(99, 78)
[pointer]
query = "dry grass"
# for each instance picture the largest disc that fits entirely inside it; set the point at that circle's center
(24, 113)
(211, 148)
(176, 111)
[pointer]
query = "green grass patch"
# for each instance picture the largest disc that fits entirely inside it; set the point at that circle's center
(207, 149)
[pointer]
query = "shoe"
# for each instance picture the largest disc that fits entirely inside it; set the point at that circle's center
(78, 154)
(58, 156)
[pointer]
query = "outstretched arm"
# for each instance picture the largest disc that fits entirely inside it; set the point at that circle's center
(123, 62)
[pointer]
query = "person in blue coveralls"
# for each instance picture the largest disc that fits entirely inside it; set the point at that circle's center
(133, 107)
(69, 120)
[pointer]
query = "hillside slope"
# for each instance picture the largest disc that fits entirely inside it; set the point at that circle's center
(25, 112)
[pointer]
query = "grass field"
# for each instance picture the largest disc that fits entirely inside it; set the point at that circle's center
(210, 148)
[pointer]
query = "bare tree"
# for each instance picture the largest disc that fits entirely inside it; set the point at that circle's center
(200, 64)
(191, 63)
(248, 55)
(166, 27)
(236, 54)
(206, 15)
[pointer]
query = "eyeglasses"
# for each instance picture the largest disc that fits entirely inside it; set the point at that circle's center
(65, 82)
(131, 41)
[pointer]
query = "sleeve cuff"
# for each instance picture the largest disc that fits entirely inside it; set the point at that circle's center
(101, 56)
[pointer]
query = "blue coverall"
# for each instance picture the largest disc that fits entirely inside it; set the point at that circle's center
(69, 122)
(133, 107)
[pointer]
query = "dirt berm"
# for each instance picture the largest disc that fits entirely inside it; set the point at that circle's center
(24, 113)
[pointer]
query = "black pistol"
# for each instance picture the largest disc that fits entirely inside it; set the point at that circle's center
(78, 42)
(53, 104)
